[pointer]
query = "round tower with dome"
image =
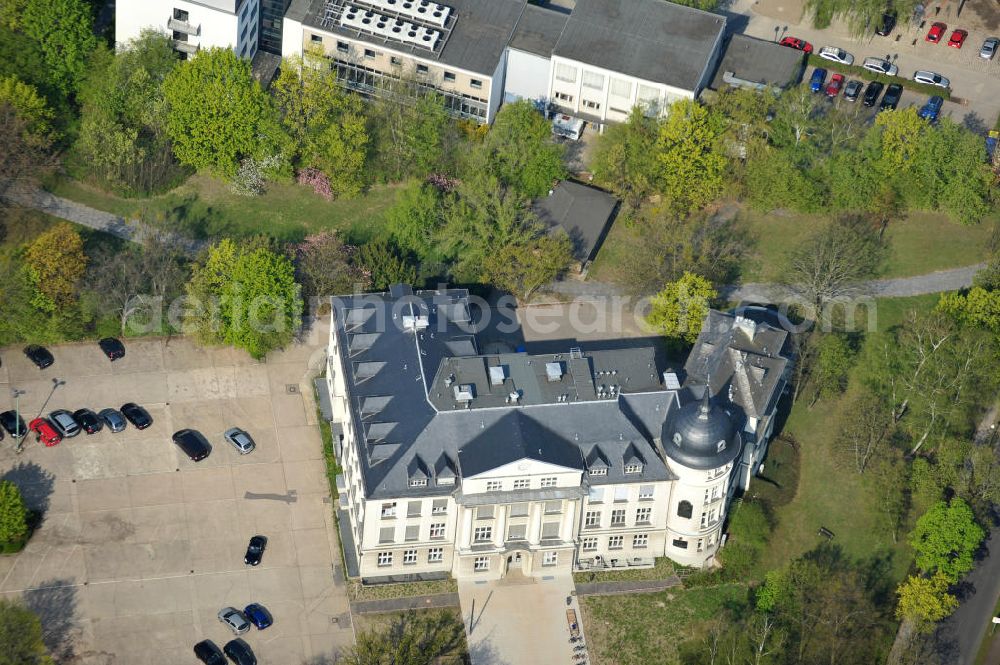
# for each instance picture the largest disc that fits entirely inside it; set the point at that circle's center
(701, 444)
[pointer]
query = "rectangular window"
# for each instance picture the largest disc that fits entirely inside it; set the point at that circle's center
(422, 69)
(413, 508)
(481, 563)
(475, 83)
(440, 507)
(548, 482)
(516, 532)
(632, 468)
(437, 531)
(563, 97)
(621, 88)
(396, 62)
(412, 533)
(699, 545)
(409, 557)
(645, 492)
(553, 507)
(315, 39)
(618, 517)
(603, 471)
(385, 558)
(550, 558)
(615, 542)
(180, 15)
(418, 482)
(435, 555)
(369, 54)
(449, 76)
(494, 485)
(680, 544)
(596, 495)
(589, 544)
(708, 518)
(522, 483)
(621, 494)
(484, 512)
(343, 47)
(643, 515)
(640, 540)
(593, 80)
(550, 530)
(483, 534)
(519, 510)
(648, 93)
(592, 520)
(388, 510)
(386, 535)
(565, 73)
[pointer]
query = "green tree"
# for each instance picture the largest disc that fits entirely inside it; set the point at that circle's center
(13, 514)
(412, 131)
(56, 262)
(383, 264)
(691, 162)
(834, 359)
(945, 538)
(217, 113)
(925, 601)
(21, 635)
(704, 5)
(31, 107)
(11, 12)
(340, 151)
(520, 151)
(680, 309)
(415, 219)
(902, 134)
(977, 307)
(415, 638)
(24, 156)
(245, 296)
(64, 31)
(625, 159)
(521, 268)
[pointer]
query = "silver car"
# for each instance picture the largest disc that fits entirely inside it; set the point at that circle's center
(880, 66)
(930, 78)
(64, 423)
(235, 619)
(836, 55)
(240, 440)
(989, 48)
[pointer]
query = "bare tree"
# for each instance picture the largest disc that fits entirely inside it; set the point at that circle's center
(867, 425)
(24, 157)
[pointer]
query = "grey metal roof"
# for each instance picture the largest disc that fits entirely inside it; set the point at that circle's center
(538, 30)
(702, 436)
(513, 437)
(585, 213)
(477, 40)
(759, 61)
(649, 39)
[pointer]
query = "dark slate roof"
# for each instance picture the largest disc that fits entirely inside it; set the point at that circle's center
(649, 39)
(514, 437)
(759, 61)
(538, 30)
(585, 213)
(702, 436)
(481, 32)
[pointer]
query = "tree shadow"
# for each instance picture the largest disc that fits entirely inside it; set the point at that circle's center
(974, 123)
(54, 601)
(36, 485)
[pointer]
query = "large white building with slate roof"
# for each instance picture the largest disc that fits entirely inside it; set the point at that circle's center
(470, 464)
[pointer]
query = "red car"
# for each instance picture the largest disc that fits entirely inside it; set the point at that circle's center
(44, 431)
(836, 81)
(936, 32)
(796, 43)
(957, 38)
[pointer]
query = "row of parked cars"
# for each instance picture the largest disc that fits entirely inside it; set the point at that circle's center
(877, 65)
(238, 621)
(854, 90)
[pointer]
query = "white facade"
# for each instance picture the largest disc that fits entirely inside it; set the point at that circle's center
(528, 76)
(193, 25)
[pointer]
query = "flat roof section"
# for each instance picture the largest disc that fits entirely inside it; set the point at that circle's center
(538, 30)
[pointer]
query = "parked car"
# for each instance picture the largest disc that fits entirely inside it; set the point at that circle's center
(880, 66)
(872, 92)
(817, 80)
(112, 348)
(258, 615)
(39, 355)
(930, 78)
(113, 419)
(936, 32)
(957, 38)
(240, 440)
(135, 414)
(989, 48)
(798, 44)
(836, 81)
(13, 423)
(193, 443)
(65, 423)
(885, 26)
(44, 431)
(207, 652)
(836, 54)
(853, 90)
(891, 98)
(240, 652)
(88, 421)
(233, 618)
(932, 109)
(255, 550)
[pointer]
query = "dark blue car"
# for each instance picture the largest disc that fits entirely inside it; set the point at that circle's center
(932, 109)
(818, 79)
(258, 615)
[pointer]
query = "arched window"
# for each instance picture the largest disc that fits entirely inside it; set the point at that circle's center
(684, 509)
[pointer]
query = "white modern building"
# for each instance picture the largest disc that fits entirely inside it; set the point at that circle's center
(467, 464)
(193, 24)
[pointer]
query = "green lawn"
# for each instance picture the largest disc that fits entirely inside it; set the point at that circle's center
(205, 207)
(649, 628)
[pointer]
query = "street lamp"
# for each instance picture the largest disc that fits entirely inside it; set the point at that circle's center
(777, 29)
(18, 434)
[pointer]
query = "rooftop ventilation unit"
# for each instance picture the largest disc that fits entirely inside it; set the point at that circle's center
(497, 375)
(553, 371)
(670, 381)
(464, 392)
(424, 10)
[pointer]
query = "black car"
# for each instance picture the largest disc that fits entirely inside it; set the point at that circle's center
(13, 423)
(886, 25)
(891, 98)
(255, 550)
(135, 414)
(872, 92)
(39, 355)
(240, 652)
(853, 90)
(193, 443)
(88, 421)
(113, 348)
(207, 652)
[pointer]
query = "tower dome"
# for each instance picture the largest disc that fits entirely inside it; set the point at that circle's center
(701, 436)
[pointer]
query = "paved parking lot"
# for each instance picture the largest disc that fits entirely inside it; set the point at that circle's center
(140, 547)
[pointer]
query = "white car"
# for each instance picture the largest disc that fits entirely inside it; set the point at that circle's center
(240, 440)
(837, 55)
(930, 78)
(989, 48)
(235, 619)
(880, 66)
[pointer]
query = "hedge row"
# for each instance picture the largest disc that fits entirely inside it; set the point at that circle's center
(854, 71)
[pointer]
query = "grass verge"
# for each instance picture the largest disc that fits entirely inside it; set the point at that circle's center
(661, 570)
(858, 72)
(357, 591)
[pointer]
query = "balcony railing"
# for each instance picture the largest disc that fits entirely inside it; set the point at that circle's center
(185, 47)
(183, 26)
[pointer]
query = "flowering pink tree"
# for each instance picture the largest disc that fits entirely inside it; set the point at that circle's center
(317, 180)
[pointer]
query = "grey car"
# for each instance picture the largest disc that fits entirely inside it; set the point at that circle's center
(113, 419)
(989, 48)
(240, 440)
(235, 619)
(930, 78)
(64, 422)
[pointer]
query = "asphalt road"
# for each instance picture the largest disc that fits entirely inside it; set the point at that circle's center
(958, 637)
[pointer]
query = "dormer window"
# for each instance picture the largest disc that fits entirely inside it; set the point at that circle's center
(677, 438)
(418, 482)
(720, 446)
(449, 480)
(633, 468)
(599, 472)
